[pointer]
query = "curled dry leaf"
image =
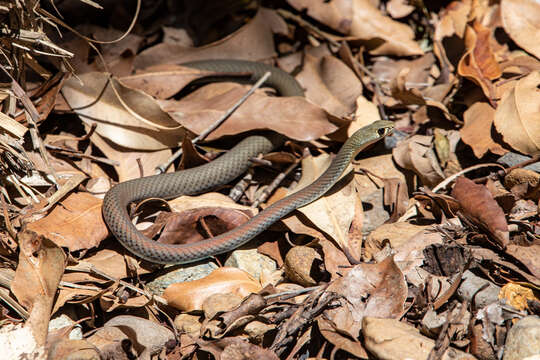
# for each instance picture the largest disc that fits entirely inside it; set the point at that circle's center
(181, 228)
(478, 63)
(476, 132)
(399, 8)
(329, 83)
(453, 20)
(361, 20)
(254, 41)
(127, 117)
(188, 296)
(63, 225)
(376, 290)
(416, 154)
(478, 205)
(517, 117)
(41, 265)
(293, 116)
(521, 20)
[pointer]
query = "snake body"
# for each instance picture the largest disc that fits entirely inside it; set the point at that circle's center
(220, 171)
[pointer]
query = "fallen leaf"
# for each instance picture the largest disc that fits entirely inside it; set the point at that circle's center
(399, 8)
(41, 265)
(517, 117)
(132, 164)
(376, 290)
(521, 20)
(63, 225)
(361, 20)
(190, 295)
(476, 132)
(527, 255)
(416, 154)
(478, 63)
(478, 206)
(453, 20)
(329, 83)
(293, 116)
(254, 41)
(390, 338)
(127, 117)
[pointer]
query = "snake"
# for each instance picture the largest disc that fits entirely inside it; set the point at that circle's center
(223, 170)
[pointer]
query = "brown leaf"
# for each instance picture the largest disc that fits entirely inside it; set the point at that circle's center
(478, 63)
(528, 255)
(190, 295)
(364, 21)
(416, 154)
(521, 20)
(517, 117)
(393, 339)
(292, 116)
(63, 225)
(376, 290)
(254, 41)
(181, 228)
(340, 341)
(453, 20)
(127, 117)
(478, 206)
(476, 132)
(329, 83)
(132, 164)
(399, 8)
(41, 265)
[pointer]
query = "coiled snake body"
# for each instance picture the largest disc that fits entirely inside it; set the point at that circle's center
(223, 170)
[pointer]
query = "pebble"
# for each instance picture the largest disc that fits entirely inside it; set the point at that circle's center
(523, 339)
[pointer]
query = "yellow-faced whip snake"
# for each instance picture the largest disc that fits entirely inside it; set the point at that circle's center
(221, 171)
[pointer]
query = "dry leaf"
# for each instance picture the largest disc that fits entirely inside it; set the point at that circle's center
(329, 83)
(41, 265)
(376, 290)
(517, 117)
(190, 295)
(293, 116)
(416, 154)
(476, 132)
(254, 41)
(478, 63)
(521, 20)
(361, 20)
(63, 225)
(127, 117)
(478, 205)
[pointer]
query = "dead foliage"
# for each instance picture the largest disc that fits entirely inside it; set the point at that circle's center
(428, 248)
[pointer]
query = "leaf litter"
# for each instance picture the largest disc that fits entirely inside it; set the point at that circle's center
(428, 248)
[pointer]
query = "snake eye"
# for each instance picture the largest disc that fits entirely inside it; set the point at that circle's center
(381, 131)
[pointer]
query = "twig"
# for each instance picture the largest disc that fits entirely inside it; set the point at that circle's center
(91, 269)
(163, 167)
(310, 27)
(451, 178)
(275, 183)
(503, 172)
(75, 153)
(240, 187)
